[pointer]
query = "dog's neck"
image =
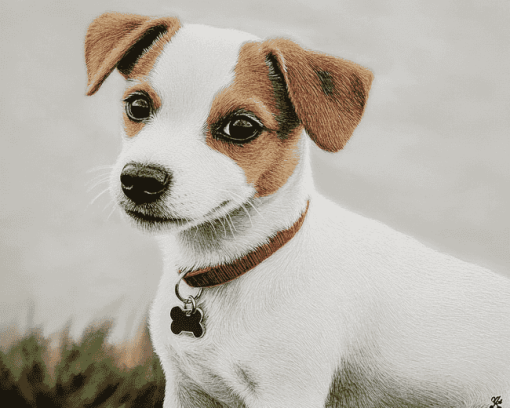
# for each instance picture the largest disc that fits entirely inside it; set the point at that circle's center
(224, 240)
(223, 273)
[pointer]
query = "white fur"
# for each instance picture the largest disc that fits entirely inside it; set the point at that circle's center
(345, 289)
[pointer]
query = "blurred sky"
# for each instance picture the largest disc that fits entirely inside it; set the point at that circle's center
(430, 157)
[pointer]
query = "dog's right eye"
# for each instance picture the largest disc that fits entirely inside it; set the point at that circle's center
(138, 108)
(241, 129)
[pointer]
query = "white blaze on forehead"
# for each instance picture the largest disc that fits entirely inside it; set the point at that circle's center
(196, 63)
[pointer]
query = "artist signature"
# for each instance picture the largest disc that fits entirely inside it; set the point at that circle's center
(496, 401)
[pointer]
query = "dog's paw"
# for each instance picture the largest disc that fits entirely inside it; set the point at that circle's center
(181, 322)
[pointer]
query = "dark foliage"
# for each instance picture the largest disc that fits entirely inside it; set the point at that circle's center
(87, 375)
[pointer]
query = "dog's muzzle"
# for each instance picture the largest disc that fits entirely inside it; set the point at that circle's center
(143, 183)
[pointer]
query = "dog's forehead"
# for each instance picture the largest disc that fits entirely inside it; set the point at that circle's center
(197, 62)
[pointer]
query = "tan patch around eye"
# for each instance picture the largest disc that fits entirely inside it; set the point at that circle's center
(138, 75)
(268, 161)
(132, 128)
(285, 159)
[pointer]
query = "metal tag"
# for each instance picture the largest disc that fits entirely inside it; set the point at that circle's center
(188, 321)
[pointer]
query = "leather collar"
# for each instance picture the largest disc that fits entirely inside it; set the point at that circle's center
(217, 275)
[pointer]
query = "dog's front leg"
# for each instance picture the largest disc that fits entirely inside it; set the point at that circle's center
(295, 396)
(180, 390)
(182, 393)
(188, 396)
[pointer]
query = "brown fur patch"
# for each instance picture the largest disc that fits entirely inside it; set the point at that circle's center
(146, 62)
(288, 88)
(133, 128)
(328, 93)
(127, 41)
(269, 160)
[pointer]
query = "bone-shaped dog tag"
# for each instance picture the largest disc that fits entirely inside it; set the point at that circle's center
(187, 321)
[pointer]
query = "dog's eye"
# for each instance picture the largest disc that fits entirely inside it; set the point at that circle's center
(241, 129)
(138, 108)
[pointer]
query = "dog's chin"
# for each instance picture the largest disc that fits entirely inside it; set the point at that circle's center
(154, 221)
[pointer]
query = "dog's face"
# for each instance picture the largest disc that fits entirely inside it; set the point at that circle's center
(213, 117)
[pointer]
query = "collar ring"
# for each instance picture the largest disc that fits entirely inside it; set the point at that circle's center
(191, 299)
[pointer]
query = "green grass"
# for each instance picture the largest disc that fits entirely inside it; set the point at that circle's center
(86, 374)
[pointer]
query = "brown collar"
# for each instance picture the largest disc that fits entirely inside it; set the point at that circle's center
(217, 275)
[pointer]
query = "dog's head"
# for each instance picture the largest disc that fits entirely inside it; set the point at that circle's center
(213, 117)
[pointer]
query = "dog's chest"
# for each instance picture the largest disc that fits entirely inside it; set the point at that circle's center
(254, 327)
(219, 361)
(239, 327)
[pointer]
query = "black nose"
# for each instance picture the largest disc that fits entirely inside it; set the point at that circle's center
(144, 183)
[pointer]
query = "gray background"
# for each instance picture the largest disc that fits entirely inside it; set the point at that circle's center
(430, 157)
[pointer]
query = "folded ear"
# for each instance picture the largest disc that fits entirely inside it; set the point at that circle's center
(328, 93)
(116, 40)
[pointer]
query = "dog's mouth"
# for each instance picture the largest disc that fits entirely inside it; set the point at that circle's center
(150, 218)
(154, 219)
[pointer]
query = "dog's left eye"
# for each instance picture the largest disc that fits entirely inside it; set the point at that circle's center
(241, 129)
(138, 108)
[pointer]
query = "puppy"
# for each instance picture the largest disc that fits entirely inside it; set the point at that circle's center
(288, 300)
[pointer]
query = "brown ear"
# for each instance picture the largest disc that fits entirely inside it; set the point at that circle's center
(118, 40)
(328, 93)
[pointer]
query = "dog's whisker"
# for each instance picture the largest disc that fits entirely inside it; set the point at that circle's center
(98, 195)
(234, 194)
(222, 223)
(100, 168)
(242, 202)
(247, 213)
(111, 212)
(214, 229)
(97, 180)
(231, 231)
(96, 184)
(232, 222)
(248, 201)
(231, 225)
(101, 176)
(255, 208)
(107, 205)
